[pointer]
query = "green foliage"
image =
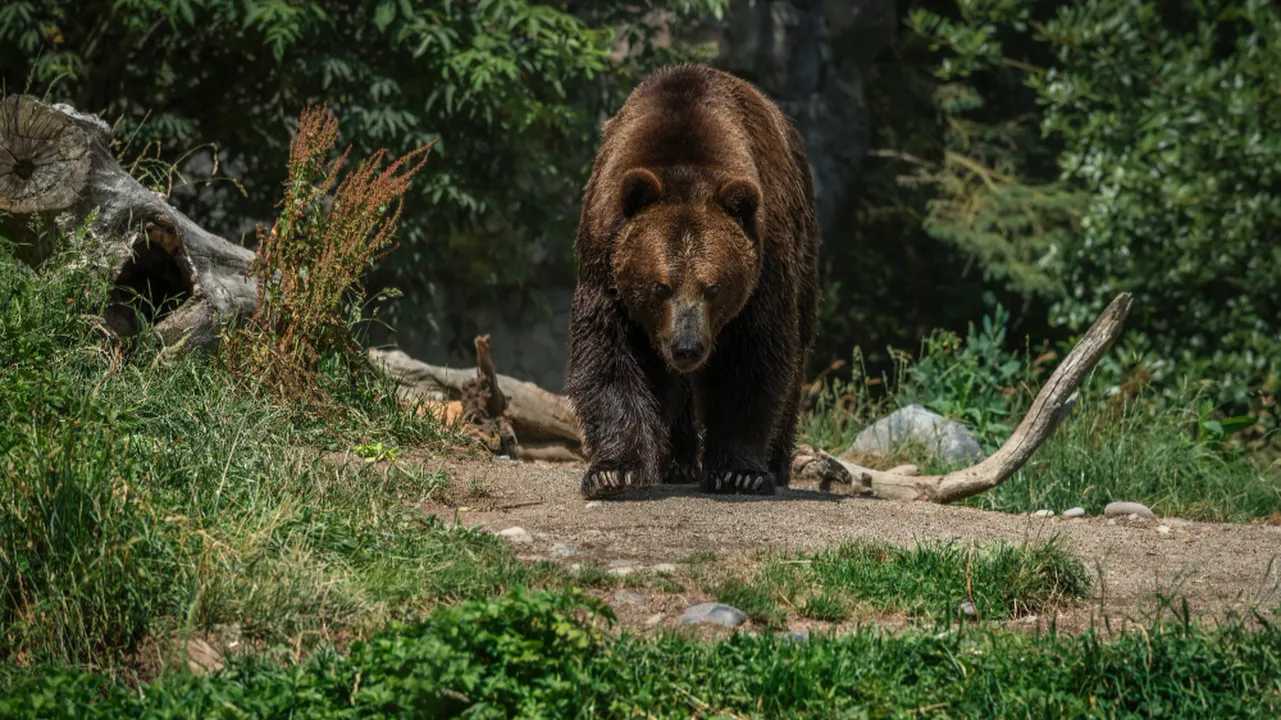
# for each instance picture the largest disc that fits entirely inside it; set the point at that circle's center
(929, 580)
(1096, 148)
(510, 91)
(975, 380)
(540, 655)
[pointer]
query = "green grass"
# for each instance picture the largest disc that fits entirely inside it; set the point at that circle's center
(930, 580)
(146, 496)
(1168, 451)
(546, 655)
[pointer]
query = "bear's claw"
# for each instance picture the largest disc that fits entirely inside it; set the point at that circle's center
(745, 483)
(606, 483)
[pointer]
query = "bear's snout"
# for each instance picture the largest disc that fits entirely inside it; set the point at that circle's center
(688, 346)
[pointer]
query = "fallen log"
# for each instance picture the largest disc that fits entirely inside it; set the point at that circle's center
(538, 416)
(1053, 403)
(57, 170)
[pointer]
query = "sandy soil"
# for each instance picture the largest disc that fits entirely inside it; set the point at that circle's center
(1221, 570)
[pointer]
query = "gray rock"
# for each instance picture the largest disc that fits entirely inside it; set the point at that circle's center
(967, 609)
(947, 440)
(564, 550)
(1075, 512)
(1043, 513)
(711, 613)
(517, 535)
(1124, 509)
(654, 619)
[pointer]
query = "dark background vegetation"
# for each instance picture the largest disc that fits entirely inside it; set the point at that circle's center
(968, 154)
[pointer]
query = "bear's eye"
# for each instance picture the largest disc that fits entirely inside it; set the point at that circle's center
(662, 290)
(711, 290)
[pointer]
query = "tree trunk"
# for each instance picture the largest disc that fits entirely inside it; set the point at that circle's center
(57, 173)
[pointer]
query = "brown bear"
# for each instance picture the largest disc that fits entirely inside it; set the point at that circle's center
(697, 273)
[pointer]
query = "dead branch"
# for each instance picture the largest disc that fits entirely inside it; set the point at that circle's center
(1052, 404)
(56, 169)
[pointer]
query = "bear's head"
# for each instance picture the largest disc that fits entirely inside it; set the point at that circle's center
(686, 258)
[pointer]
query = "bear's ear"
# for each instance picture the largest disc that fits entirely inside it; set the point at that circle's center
(640, 189)
(741, 198)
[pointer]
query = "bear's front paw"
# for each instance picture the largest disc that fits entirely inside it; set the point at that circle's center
(746, 482)
(602, 483)
(681, 474)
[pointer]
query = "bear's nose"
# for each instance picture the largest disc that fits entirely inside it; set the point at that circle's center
(687, 351)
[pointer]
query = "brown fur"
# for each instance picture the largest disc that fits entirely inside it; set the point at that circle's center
(694, 310)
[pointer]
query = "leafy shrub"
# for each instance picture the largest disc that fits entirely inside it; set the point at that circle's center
(309, 264)
(1164, 162)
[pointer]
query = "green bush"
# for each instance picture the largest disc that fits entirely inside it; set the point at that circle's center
(1141, 145)
(541, 655)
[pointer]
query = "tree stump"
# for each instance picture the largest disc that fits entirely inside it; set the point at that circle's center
(57, 173)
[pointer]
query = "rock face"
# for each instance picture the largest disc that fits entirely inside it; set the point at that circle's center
(948, 440)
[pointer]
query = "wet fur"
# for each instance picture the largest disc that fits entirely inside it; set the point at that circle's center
(695, 129)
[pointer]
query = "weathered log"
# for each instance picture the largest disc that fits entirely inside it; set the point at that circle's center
(56, 168)
(537, 415)
(1052, 404)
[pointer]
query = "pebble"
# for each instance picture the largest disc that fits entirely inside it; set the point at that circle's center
(629, 597)
(1112, 521)
(967, 609)
(664, 568)
(654, 619)
(1163, 529)
(1043, 513)
(1125, 509)
(202, 659)
(713, 614)
(518, 535)
(796, 635)
(621, 568)
(564, 550)
(593, 504)
(1075, 512)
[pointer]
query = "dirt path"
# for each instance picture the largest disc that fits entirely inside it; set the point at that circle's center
(1220, 569)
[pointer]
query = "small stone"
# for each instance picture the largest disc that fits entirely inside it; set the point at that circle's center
(795, 635)
(1112, 521)
(517, 535)
(1163, 529)
(1075, 512)
(622, 568)
(202, 659)
(564, 550)
(654, 619)
(713, 614)
(1043, 513)
(967, 609)
(1125, 509)
(593, 504)
(629, 597)
(664, 568)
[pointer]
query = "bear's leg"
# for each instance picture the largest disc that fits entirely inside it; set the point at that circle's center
(740, 397)
(611, 384)
(785, 438)
(683, 468)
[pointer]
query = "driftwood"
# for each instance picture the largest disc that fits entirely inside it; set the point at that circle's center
(56, 169)
(1052, 404)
